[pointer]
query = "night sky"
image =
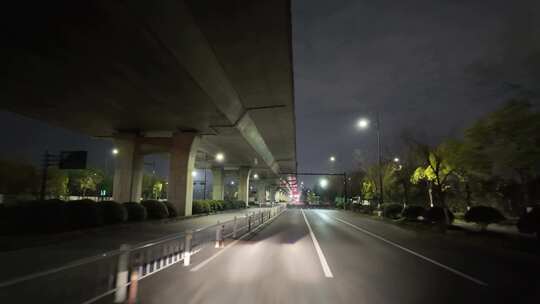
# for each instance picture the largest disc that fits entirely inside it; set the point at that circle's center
(429, 67)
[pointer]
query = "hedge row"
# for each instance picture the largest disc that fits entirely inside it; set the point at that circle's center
(209, 206)
(52, 216)
(413, 213)
(529, 222)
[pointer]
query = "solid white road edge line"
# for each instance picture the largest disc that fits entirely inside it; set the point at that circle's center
(457, 272)
(322, 259)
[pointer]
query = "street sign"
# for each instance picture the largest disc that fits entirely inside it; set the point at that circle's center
(72, 160)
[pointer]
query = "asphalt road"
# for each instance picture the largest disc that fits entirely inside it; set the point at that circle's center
(326, 256)
(77, 245)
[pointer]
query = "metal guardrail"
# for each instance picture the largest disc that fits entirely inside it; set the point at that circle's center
(113, 276)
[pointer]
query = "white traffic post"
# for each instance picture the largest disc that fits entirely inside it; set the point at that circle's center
(222, 236)
(132, 298)
(219, 235)
(122, 274)
(235, 228)
(218, 229)
(187, 248)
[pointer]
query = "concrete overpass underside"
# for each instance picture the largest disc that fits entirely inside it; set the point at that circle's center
(189, 78)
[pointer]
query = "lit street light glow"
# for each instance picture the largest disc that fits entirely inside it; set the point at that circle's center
(363, 123)
(323, 183)
(194, 173)
(220, 157)
(256, 176)
(396, 160)
(332, 158)
(114, 151)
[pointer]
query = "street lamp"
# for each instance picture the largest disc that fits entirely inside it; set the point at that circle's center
(220, 157)
(396, 160)
(323, 182)
(114, 151)
(194, 173)
(363, 123)
(255, 176)
(332, 158)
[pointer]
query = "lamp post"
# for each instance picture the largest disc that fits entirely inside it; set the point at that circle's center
(364, 124)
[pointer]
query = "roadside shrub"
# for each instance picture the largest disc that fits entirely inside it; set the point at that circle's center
(34, 217)
(391, 210)
(212, 205)
(228, 205)
(136, 212)
(201, 207)
(84, 213)
(217, 205)
(113, 212)
(412, 212)
(155, 209)
(239, 204)
(364, 209)
(436, 215)
(529, 222)
(48, 216)
(483, 216)
(171, 209)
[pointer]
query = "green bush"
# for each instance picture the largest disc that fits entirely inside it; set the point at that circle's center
(436, 215)
(136, 212)
(228, 205)
(171, 209)
(84, 213)
(208, 206)
(392, 210)
(239, 204)
(217, 205)
(34, 217)
(212, 205)
(529, 222)
(113, 212)
(483, 215)
(155, 209)
(365, 209)
(201, 206)
(412, 212)
(48, 216)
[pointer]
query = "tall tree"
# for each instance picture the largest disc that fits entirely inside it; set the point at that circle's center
(57, 183)
(85, 180)
(506, 145)
(437, 171)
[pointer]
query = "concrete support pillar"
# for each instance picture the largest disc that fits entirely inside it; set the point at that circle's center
(261, 192)
(272, 195)
(182, 163)
(218, 183)
(243, 184)
(128, 171)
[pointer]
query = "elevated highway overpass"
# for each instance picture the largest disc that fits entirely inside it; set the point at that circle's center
(190, 78)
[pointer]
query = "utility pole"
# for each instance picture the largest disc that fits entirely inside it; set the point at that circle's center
(204, 185)
(48, 160)
(345, 190)
(381, 198)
